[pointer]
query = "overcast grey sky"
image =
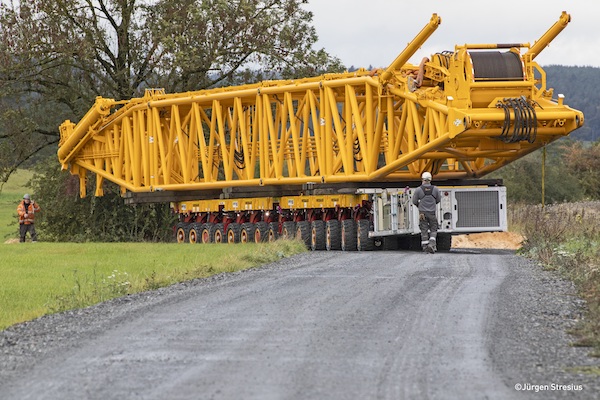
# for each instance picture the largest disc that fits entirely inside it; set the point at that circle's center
(374, 32)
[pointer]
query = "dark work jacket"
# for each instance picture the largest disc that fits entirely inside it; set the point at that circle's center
(426, 203)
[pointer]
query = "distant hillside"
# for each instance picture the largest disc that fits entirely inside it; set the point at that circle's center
(580, 85)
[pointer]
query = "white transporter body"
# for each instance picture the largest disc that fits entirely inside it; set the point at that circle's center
(461, 210)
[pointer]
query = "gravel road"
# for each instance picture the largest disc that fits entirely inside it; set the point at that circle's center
(470, 324)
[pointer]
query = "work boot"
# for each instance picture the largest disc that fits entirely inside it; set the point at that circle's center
(433, 245)
(430, 249)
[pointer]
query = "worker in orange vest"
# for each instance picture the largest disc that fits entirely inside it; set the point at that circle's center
(27, 210)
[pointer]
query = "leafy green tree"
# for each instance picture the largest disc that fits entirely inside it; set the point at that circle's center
(56, 56)
(208, 42)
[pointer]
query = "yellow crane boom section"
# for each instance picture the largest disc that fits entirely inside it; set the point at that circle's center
(459, 114)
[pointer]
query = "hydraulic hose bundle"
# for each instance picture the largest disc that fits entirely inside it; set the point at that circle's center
(525, 120)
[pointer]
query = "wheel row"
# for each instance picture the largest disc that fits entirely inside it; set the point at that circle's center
(216, 233)
(346, 235)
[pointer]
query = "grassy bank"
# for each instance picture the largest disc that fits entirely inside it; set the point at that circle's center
(566, 238)
(41, 278)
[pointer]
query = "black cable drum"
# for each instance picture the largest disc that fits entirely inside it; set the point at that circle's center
(496, 66)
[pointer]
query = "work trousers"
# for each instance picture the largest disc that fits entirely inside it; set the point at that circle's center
(24, 228)
(429, 225)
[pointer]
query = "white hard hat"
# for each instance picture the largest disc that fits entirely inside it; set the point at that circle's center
(26, 196)
(426, 176)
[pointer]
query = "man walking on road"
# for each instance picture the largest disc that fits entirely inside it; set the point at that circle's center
(426, 197)
(27, 210)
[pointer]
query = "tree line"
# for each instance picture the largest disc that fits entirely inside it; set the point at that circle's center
(571, 173)
(579, 85)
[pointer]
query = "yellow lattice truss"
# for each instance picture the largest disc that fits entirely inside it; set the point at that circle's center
(364, 126)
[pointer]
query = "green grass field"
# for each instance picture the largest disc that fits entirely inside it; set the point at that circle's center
(44, 277)
(41, 278)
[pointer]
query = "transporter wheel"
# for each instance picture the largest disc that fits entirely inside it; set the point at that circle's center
(234, 231)
(332, 235)
(288, 230)
(273, 231)
(303, 232)
(363, 242)
(444, 241)
(181, 232)
(260, 232)
(317, 235)
(205, 233)
(247, 232)
(217, 234)
(348, 235)
(194, 233)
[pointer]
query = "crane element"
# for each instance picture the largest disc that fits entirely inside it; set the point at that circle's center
(458, 114)
(462, 114)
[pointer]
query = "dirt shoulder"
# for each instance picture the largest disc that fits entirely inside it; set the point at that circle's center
(488, 240)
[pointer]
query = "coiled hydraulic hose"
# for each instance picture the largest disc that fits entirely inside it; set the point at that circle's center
(525, 120)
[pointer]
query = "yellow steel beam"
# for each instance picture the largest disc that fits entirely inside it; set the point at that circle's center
(549, 36)
(412, 47)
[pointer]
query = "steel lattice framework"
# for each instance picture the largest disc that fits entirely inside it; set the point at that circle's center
(455, 115)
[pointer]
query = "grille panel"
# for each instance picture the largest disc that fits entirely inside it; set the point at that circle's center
(477, 209)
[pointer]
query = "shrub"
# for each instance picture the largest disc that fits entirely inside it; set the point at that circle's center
(67, 217)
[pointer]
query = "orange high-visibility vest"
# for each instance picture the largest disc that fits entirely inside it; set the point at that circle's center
(30, 210)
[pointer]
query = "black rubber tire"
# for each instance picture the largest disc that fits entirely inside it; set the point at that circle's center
(181, 232)
(205, 233)
(273, 231)
(444, 241)
(234, 231)
(348, 235)
(288, 230)
(247, 232)
(333, 240)
(218, 234)
(260, 232)
(194, 233)
(363, 242)
(303, 232)
(317, 235)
